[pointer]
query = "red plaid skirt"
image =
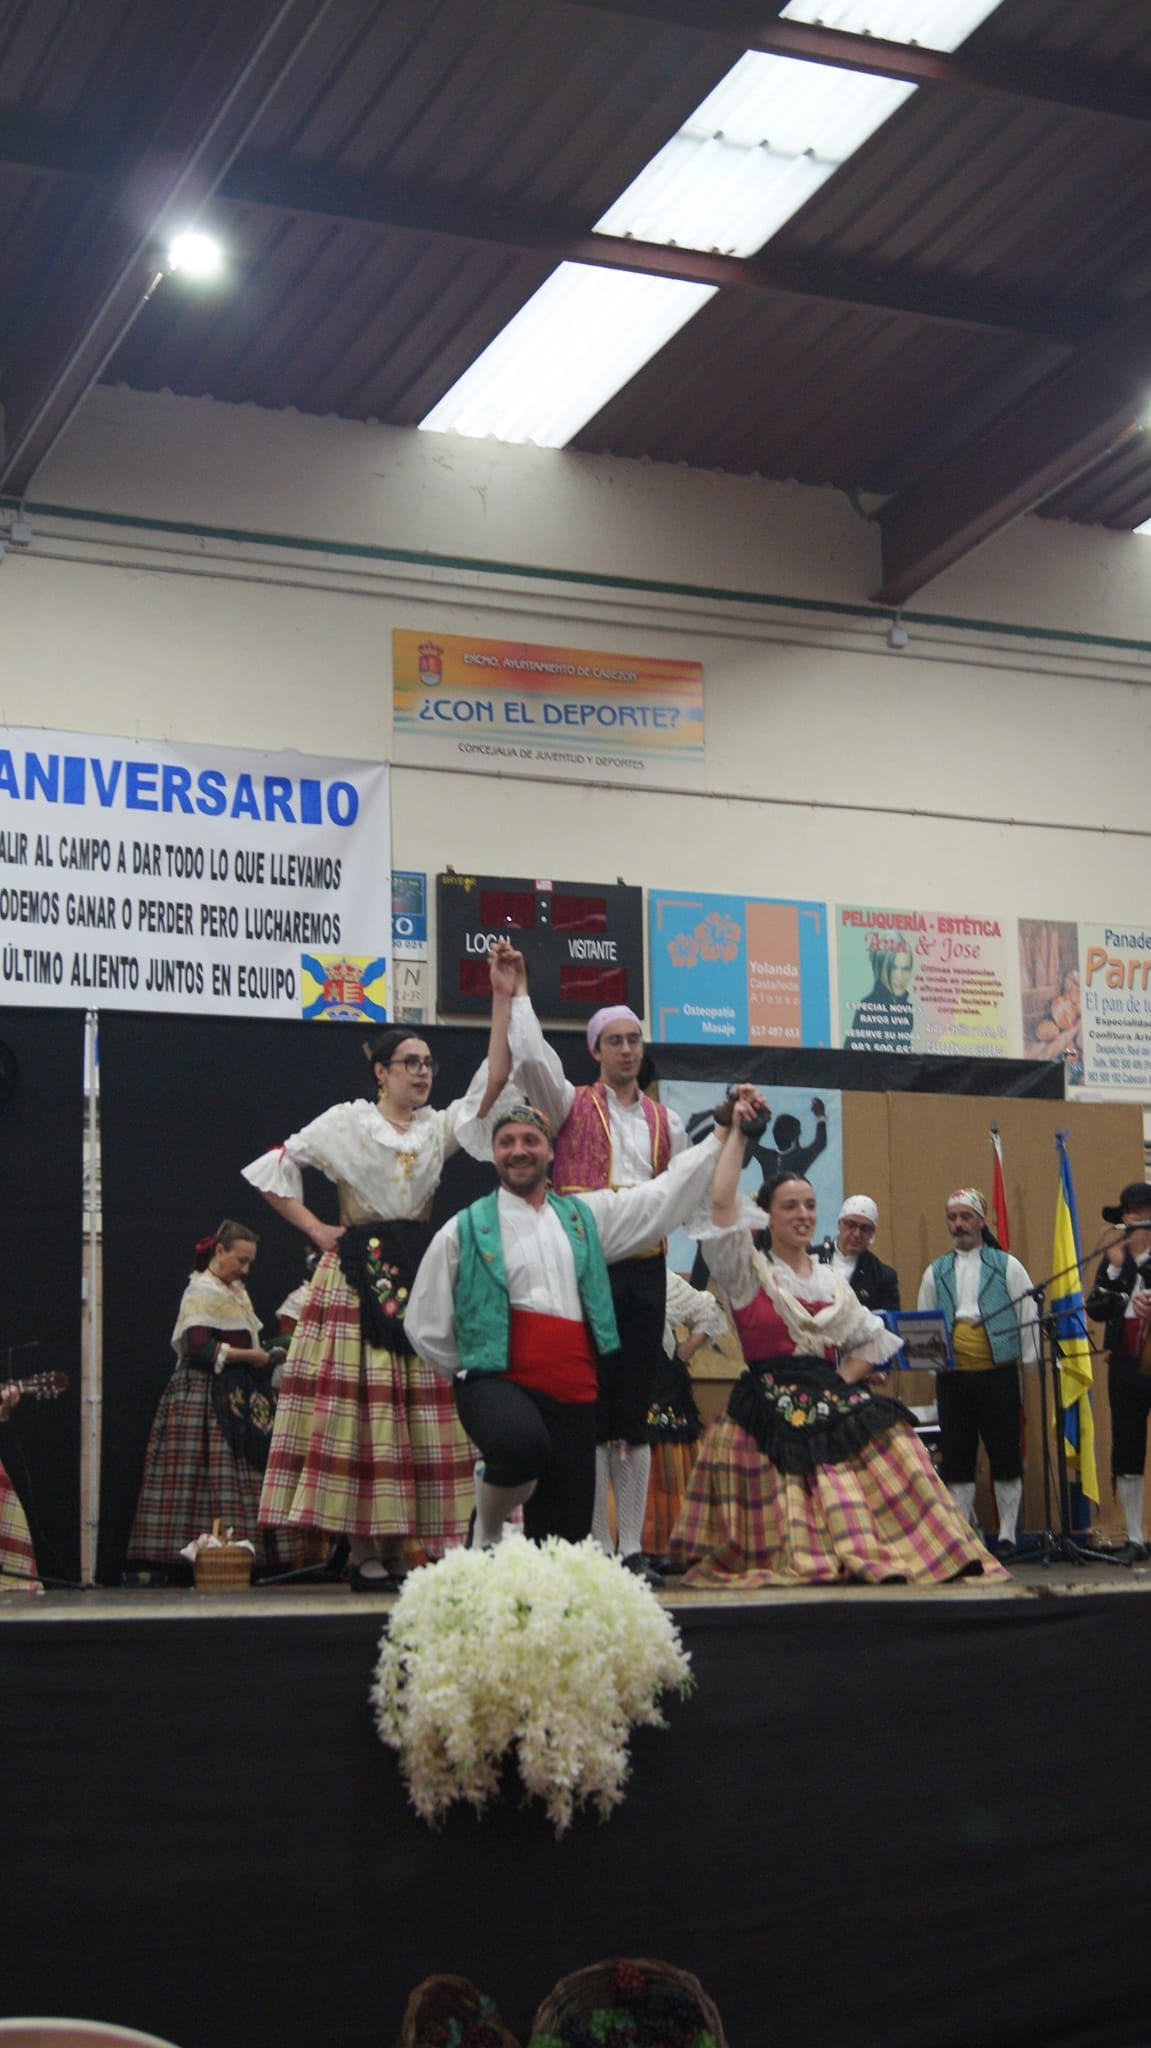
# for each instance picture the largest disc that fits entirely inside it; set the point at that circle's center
(192, 1476)
(880, 1515)
(365, 1443)
(17, 1557)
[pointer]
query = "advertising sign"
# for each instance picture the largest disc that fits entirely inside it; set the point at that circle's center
(927, 981)
(804, 1136)
(510, 707)
(154, 875)
(748, 970)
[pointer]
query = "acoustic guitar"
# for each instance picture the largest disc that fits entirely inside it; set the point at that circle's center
(40, 1386)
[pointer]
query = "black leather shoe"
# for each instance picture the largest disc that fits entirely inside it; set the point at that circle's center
(638, 1564)
(360, 1580)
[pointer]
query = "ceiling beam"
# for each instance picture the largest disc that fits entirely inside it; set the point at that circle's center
(1050, 436)
(290, 189)
(1120, 94)
(108, 266)
(286, 189)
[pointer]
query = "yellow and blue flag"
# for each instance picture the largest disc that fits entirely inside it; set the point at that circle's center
(1070, 1326)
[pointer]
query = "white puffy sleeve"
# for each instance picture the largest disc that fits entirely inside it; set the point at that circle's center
(463, 1127)
(430, 1320)
(278, 1172)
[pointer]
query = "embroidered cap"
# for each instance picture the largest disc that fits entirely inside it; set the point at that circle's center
(613, 1014)
(523, 1113)
(969, 1198)
(862, 1207)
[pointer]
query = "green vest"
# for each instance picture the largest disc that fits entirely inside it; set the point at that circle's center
(1003, 1325)
(483, 1312)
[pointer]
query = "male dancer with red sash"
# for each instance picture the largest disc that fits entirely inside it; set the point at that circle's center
(513, 1302)
(610, 1135)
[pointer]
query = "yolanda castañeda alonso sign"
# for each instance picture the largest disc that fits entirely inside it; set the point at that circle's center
(152, 875)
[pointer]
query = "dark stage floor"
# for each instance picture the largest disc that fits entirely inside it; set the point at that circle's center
(882, 1817)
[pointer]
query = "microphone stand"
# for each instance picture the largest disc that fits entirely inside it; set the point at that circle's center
(1056, 1545)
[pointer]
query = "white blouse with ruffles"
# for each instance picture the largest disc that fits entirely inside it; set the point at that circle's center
(730, 1255)
(381, 1172)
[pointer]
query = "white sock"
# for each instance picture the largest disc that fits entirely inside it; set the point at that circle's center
(1130, 1492)
(962, 1492)
(1008, 1499)
(601, 1518)
(493, 1506)
(630, 1471)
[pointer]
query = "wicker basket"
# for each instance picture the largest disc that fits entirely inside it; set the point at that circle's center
(586, 1989)
(226, 1568)
(440, 1999)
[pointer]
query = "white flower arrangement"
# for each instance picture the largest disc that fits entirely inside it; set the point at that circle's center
(551, 1651)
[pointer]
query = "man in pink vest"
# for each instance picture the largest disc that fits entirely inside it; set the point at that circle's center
(610, 1135)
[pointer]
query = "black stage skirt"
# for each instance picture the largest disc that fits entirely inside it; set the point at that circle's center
(379, 1261)
(802, 1414)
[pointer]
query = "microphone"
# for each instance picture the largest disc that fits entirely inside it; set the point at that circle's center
(1128, 1228)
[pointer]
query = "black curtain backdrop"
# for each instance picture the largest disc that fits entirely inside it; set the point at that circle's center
(872, 1826)
(41, 1309)
(186, 1102)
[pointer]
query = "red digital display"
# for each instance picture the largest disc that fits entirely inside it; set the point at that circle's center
(593, 985)
(475, 979)
(507, 910)
(579, 914)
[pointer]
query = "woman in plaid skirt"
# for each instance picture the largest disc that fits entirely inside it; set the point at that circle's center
(367, 1444)
(209, 1441)
(17, 1557)
(808, 1476)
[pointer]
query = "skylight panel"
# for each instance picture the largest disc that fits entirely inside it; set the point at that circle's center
(579, 340)
(934, 24)
(752, 154)
(755, 151)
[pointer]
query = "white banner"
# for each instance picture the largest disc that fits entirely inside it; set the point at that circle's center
(143, 875)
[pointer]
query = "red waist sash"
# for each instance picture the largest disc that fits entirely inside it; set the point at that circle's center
(554, 1355)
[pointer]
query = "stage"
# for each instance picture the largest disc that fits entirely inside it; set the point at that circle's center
(882, 1817)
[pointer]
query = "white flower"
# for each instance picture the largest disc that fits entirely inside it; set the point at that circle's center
(549, 1651)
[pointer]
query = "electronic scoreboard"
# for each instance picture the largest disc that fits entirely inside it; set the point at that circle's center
(583, 944)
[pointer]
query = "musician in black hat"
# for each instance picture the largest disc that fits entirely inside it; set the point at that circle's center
(1121, 1300)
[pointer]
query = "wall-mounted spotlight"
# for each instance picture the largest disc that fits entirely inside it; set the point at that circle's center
(196, 256)
(897, 633)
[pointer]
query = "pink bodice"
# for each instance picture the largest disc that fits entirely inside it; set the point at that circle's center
(764, 1334)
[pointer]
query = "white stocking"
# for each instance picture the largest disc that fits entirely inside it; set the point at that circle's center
(601, 1515)
(1130, 1492)
(1008, 1497)
(493, 1506)
(630, 1471)
(962, 1492)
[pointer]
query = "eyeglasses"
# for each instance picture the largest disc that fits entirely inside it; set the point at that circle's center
(417, 1063)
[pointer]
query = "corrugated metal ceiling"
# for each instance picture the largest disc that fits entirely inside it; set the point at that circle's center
(399, 184)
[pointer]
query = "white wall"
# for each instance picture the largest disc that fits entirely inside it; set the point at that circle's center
(820, 740)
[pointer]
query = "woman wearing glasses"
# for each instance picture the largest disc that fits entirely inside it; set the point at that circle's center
(366, 1442)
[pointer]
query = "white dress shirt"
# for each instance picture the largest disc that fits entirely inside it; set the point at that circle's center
(538, 1071)
(537, 1254)
(968, 1272)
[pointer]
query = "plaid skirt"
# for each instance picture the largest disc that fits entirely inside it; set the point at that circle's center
(879, 1515)
(365, 1443)
(192, 1476)
(671, 1465)
(17, 1557)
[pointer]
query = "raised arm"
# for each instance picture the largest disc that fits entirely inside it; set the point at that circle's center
(631, 1219)
(506, 967)
(725, 1187)
(536, 1066)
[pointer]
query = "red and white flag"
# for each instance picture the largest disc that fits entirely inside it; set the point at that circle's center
(999, 1221)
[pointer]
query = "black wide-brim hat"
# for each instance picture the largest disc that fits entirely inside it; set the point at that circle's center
(1136, 1195)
